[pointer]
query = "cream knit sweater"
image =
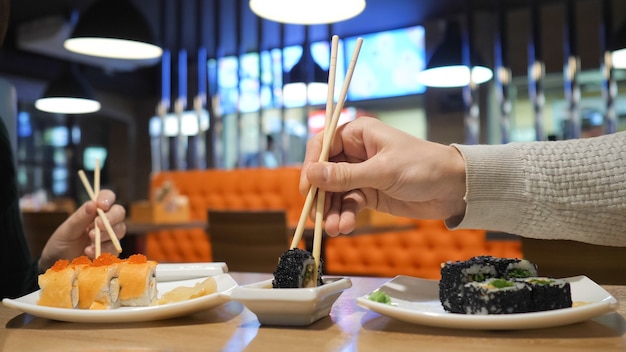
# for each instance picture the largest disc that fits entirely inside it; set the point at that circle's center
(574, 189)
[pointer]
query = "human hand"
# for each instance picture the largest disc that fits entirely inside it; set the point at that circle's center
(373, 165)
(76, 235)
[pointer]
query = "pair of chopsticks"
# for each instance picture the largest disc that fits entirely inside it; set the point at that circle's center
(330, 125)
(93, 194)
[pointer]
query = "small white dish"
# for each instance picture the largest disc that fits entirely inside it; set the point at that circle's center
(290, 306)
(225, 284)
(184, 271)
(415, 300)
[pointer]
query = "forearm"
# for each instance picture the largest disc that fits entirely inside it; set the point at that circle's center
(558, 190)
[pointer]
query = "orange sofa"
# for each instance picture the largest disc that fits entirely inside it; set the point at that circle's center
(241, 189)
(416, 250)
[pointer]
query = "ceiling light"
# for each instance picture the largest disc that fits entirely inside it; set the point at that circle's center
(445, 67)
(69, 94)
(307, 11)
(113, 29)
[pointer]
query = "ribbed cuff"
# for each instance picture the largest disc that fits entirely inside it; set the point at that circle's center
(495, 184)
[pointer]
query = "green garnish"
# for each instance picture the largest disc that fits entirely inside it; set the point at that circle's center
(540, 281)
(479, 277)
(518, 273)
(501, 283)
(379, 296)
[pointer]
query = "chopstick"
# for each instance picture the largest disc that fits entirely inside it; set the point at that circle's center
(321, 195)
(326, 143)
(107, 224)
(96, 190)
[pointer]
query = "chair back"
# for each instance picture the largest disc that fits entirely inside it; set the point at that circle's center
(250, 241)
(39, 226)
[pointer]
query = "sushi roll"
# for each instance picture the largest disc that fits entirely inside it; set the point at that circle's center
(59, 286)
(454, 275)
(519, 268)
(137, 280)
(296, 270)
(548, 293)
(496, 296)
(98, 284)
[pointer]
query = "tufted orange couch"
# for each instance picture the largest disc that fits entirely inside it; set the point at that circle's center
(240, 189)
(416, 251)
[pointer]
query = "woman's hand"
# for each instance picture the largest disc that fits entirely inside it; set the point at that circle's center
(76, 236)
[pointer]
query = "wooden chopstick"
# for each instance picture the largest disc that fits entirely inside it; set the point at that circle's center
(321, 195)
(96, 190)
(327, 142)
(103, 217)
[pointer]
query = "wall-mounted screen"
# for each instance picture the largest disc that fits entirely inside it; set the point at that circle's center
(388, 64)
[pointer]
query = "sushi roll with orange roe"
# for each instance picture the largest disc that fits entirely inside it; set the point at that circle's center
(98, 284)
(59, 287)
(137, 279)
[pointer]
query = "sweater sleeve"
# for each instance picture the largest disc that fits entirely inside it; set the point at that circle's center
(573, 189)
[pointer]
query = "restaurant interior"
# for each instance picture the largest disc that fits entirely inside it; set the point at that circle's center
(218, 119)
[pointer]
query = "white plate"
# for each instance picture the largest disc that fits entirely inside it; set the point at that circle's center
(290, 306)
(225, 284)
(415, 300)
(183, 271)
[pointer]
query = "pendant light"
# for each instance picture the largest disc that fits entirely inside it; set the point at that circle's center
(113, 29)
(445, 67)
(69, 94)
(307, 12)
(305, 79)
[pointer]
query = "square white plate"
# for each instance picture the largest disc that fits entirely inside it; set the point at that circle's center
(290, 306)
(183, 271)
(225, 284)
(415, 300)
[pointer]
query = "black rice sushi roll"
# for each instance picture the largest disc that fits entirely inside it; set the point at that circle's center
(496, 296)
(296, 269)
(454, 275)
(548, 293)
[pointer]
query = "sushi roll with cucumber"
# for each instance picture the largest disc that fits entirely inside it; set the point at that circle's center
(296, 268)
(454, 275)
(496, 296)
(548, 293)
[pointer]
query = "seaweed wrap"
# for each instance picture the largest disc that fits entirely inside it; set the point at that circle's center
(496, 296)
(295, 270)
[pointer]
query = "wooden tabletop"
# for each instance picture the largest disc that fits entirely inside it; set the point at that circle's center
(231, 327)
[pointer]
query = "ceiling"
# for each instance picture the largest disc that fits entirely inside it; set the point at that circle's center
(233, 29)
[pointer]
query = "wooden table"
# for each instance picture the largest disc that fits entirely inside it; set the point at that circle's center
(231, 327)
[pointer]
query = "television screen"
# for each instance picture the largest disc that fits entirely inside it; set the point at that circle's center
(388, 64)
(227, 82)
